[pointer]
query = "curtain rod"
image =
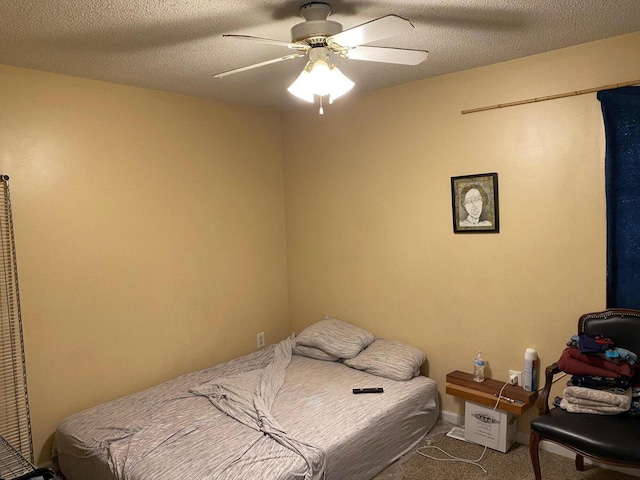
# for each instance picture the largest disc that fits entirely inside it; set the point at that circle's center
(551, 97)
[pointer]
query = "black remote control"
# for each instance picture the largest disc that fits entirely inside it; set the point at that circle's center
(368, 390)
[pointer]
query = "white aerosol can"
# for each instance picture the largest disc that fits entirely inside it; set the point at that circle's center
(530, 370)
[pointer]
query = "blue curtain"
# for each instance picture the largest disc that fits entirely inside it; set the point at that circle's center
(621, 112)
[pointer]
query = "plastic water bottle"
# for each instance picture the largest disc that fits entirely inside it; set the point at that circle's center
(530, 370)
(478, 367)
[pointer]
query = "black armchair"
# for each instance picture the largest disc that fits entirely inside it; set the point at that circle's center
(608, 439)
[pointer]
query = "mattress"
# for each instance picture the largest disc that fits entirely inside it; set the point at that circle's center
(167, 431)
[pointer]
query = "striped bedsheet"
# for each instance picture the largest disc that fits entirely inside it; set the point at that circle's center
(168, 432)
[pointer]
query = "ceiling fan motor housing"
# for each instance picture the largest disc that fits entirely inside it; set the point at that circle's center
(315, 30)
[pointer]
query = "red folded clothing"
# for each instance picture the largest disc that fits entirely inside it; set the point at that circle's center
(573, 362)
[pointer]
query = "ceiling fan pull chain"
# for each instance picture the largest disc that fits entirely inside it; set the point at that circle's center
(321, 109)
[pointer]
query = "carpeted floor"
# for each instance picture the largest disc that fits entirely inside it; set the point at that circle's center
(513, 465)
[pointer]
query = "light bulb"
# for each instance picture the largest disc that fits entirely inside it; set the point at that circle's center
(320, 78)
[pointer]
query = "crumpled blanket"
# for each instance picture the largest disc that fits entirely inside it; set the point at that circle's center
(248, 397)
(589, 400)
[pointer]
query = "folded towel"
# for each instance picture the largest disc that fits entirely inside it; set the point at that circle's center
(589, 400)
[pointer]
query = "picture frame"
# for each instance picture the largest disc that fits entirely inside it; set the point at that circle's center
(474, 200)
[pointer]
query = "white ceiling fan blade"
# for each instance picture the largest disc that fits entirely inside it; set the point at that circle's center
(293, 46)
(371, 31)
(256, 65)
(400, 56)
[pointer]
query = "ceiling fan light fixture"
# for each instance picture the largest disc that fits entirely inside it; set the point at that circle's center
(301, 88)
(320, 78)
(340, 84)
(318, 37)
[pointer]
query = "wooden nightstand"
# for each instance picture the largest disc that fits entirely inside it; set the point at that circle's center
(461, 384)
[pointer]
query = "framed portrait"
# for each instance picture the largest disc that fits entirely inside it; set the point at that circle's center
(474, 199)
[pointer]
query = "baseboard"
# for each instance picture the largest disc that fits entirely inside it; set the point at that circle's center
(523, 438)
(451, 417)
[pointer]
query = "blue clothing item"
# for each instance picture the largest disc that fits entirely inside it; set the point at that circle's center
(627, 355)
(593, 344)
(597, 344)
(634, 410)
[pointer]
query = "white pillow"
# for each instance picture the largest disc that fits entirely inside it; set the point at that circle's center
(390, 359)
(312, 352)
(335, 337)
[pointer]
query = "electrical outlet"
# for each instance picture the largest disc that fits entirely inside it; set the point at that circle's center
(515, 377)
(260, 339)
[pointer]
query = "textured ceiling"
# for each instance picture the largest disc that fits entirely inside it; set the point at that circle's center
(177, 45)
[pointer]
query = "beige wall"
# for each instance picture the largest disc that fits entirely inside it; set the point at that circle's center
(151, 239)
(368, 208)
(150, 236)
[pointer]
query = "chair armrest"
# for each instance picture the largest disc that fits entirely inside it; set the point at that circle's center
(543, 399)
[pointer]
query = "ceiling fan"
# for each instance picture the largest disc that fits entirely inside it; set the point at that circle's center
(319, 38)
